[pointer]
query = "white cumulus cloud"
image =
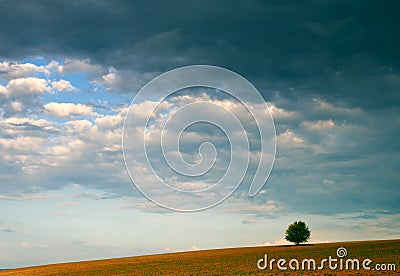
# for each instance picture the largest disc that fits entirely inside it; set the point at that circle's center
(24, 86)
(77, 66)
(12, 70)
(62, 85)
(64, 110)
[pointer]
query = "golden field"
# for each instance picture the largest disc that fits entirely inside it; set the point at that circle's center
(232, 261)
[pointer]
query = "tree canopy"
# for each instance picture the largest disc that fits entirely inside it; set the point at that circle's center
(297, 232)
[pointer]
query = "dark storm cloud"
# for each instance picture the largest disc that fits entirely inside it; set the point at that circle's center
(333, 48)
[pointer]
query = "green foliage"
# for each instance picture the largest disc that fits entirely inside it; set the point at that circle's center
(297, 232)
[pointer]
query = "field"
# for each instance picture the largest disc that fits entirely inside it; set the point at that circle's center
(233, 261)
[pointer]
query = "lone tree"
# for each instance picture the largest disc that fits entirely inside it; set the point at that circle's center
(297, 232)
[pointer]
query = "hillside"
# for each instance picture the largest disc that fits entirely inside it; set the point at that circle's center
(233, 261)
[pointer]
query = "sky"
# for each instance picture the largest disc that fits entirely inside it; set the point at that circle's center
(69, 70)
